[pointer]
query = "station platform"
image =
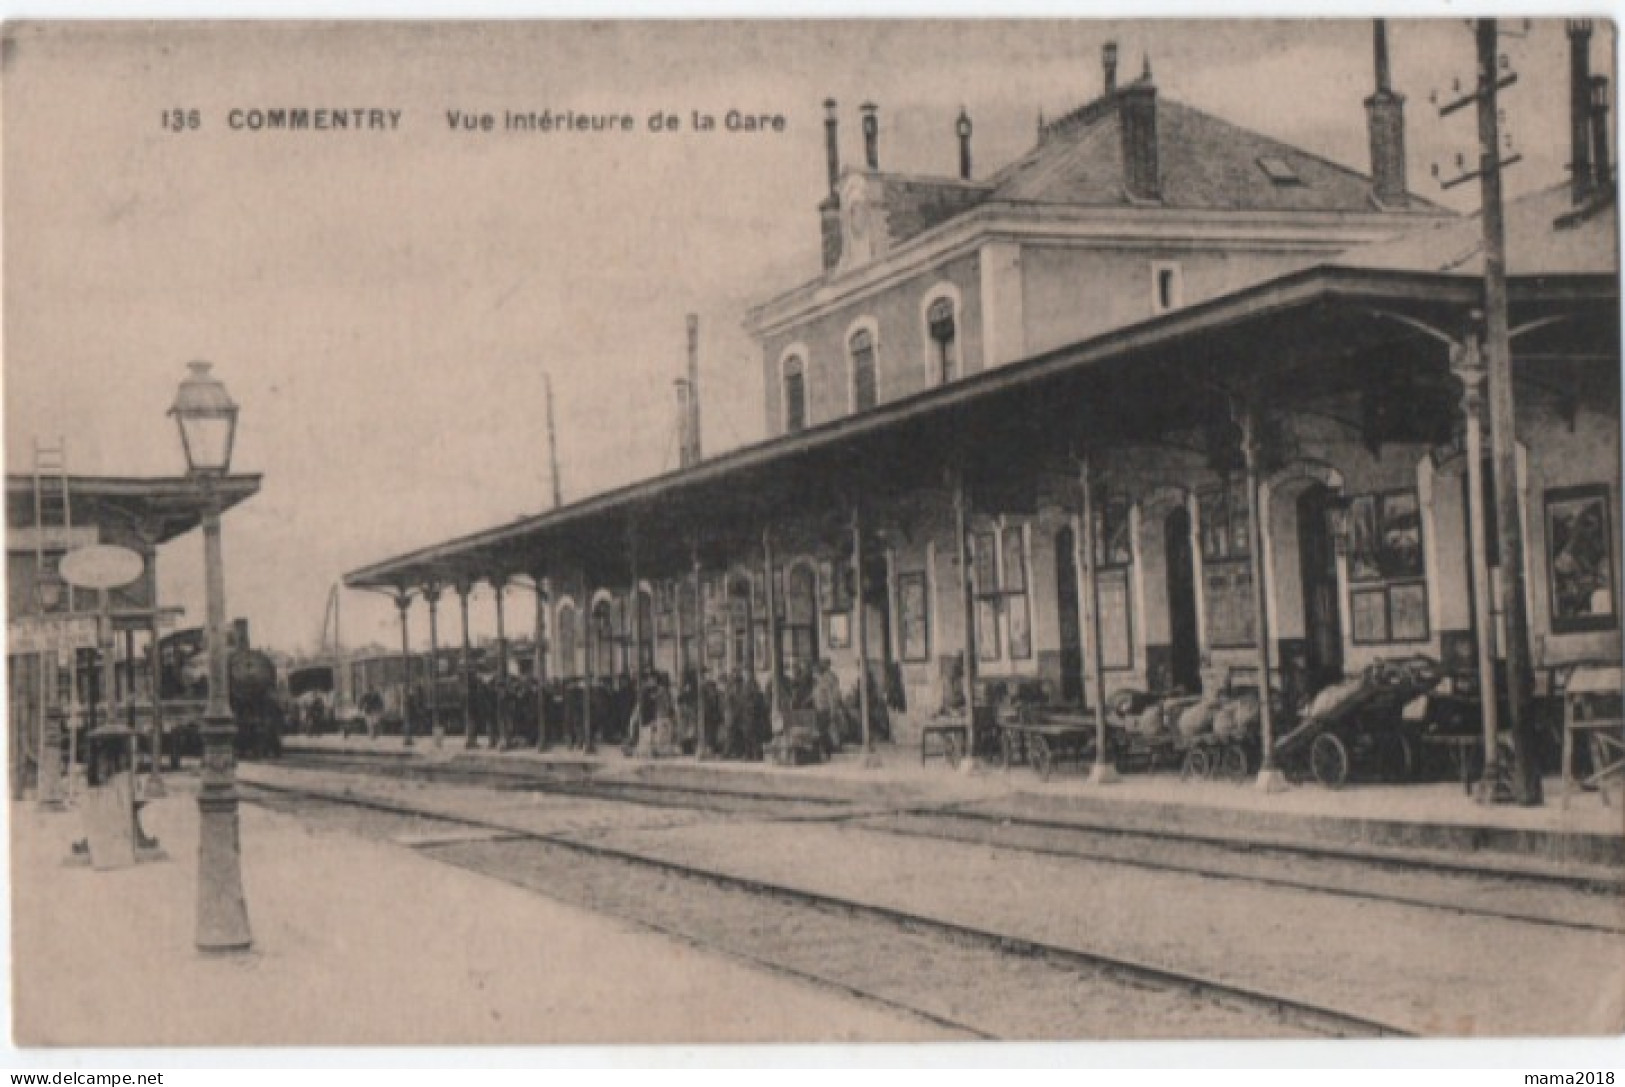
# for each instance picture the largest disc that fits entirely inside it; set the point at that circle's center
(1586, 835)
(416, 953)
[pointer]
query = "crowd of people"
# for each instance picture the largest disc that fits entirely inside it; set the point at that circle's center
(728, 717)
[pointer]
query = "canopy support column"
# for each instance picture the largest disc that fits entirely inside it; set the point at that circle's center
(403, 603)
(539, 658)
(1270, 779)
(967, 593)
(463, 588)
(1467, 364)
(431, 593)
(1104, 772)
(502, 730)
(775, 663)
(701, 739)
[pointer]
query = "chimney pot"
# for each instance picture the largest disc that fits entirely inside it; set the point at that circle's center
(832, 151)
(963, 127)
(1108, 61)
(871, 135)
(1385, 125)
(1582, 174)
(1603, 179)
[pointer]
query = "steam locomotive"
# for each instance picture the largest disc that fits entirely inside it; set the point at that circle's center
(253, 689)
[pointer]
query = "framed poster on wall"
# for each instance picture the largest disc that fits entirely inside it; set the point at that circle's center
(1116, 630)
(913, 621)
(987, 628)
(1021, 630)
(1580, 560)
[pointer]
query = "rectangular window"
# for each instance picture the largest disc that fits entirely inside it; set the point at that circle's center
(1580, 560)
(1388, 598)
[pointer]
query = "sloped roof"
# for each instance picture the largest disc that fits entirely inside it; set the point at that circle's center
(1545, 235)
(1203, 162)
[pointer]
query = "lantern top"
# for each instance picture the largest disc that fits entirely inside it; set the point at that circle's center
(201, 393)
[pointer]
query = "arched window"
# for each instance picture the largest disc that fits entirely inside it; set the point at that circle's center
(862, 350)
(795, 394)
(567, 639)
(602, 640)
(944, 336)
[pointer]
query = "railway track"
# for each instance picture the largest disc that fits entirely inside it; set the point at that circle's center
(1454, 885)
(975, 982)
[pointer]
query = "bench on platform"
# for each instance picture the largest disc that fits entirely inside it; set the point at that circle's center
(952, 739)
(1592, 712)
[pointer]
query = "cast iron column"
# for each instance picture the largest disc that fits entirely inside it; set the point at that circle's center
(403, 603)
(539, 658)
(501, 734)
(222, 912)
(700, 646)
(967, 593)
(863, 627)
(463, 587)
(431, 593)
(1103, 772)
(774, 665)
(1270, 778)
(1468, 366)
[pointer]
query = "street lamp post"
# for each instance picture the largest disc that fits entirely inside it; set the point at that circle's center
(207, 419)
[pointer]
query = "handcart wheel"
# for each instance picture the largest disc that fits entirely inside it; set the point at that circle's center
(1043, 761)
(1402, 755)
(1329, 760)
(1233, 763)
(1196, 765)
(950, 750)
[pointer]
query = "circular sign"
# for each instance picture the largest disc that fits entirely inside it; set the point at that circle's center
(100, 566)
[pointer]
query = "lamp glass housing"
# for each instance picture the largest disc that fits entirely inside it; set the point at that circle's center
(207, 419)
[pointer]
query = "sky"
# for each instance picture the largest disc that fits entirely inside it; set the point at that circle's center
(384, 305)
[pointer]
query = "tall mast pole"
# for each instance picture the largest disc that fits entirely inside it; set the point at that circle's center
(552, 442)
(693, 389)
(1503, 436)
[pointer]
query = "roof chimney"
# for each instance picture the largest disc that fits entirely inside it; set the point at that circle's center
(1137, 118)
(1580, 108)
(963, 128)
(832, 151)
(680, 386)
(1603, 181)
(1385, 122)
(1108, 61)
(829, 209)
(871, 136)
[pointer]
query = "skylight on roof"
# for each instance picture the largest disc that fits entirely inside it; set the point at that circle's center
(1279, 170)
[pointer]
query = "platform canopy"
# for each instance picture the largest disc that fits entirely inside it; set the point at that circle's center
(157, 509)
(1371, 323)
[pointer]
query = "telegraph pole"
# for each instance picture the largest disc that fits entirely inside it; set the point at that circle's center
(552, 442)
(1493, 76)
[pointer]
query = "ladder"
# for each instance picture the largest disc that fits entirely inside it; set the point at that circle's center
(53, 508)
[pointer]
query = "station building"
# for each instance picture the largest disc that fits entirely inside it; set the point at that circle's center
(1101, 359)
